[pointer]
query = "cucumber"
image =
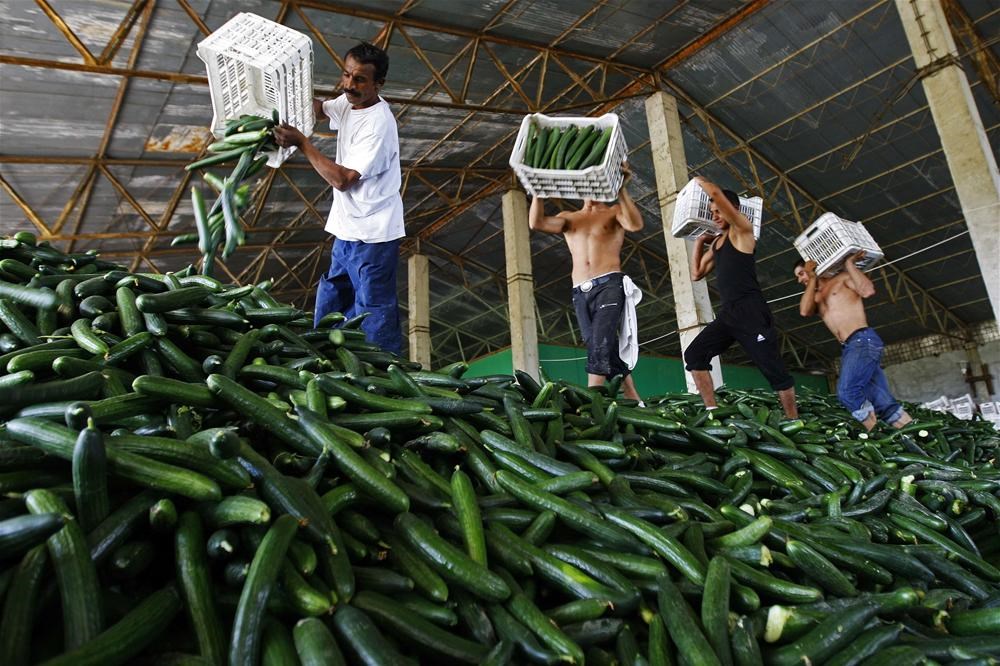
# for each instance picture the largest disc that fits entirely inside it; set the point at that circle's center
(59, 441)
(572, 515)
(244, 645)
(129, 636)
(449, 561)
(669, 548)
(174, 390)
(820, 569)
(425, 636)
(682, 625)
(833, 634)
(19, 608)
(869, 643)
(715, 609)
(183, 455)
(355, 629)
(369, 480)
(315, 644)
(262, 412)
(171, 300)
(90, 484)
(75, 572)
(977, 622)
(194, 579)
(22, 533)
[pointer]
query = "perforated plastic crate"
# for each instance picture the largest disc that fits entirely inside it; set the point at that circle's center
(990, 410)
(942, 404)
(599, 182)
(254, 66)
(830, 240)
(693, 212)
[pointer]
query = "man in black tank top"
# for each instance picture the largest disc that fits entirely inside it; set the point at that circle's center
(743, 316)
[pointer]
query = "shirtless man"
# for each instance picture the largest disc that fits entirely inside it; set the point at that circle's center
(743, 314)
(862, 387)
(595, 234)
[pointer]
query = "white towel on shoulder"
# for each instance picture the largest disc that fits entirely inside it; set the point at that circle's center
(628, 331)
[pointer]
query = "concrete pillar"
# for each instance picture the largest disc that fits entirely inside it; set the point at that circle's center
(971, 161)
(419, 320)
(520, 283)
(691, 300)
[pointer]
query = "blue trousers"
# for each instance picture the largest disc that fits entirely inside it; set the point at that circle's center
(862, 386)
(362, 278)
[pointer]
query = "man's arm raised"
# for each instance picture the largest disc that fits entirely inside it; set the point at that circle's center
(807, 304)
(539, 221)
(702, 262)
(857, 280)
(731, 214)
(628, 213)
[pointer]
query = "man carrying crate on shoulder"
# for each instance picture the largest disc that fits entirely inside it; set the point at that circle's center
(744, 315)
(367, 213)
(601, 292)
(862, 387)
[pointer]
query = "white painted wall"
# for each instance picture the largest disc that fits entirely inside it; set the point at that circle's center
(931, 377)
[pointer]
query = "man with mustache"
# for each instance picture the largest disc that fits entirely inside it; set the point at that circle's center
(366, 218)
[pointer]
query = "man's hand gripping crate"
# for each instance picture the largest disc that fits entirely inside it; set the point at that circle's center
(829, 241)
(693, 213)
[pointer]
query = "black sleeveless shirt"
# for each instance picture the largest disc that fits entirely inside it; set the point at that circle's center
(736, 274)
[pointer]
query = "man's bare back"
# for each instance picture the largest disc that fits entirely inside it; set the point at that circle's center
(595, 238)
(840, 307)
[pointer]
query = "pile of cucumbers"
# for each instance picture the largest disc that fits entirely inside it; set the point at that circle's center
(569, 148)
(192, 474)
(246, 140)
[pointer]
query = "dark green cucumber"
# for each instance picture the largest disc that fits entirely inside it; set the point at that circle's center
(424, 635)
(244, 645)
(22, 533)
(90, 483)
(315, 644)
(75, 572)
(59, 441)
(449, 561)
(121, 642)
(683, 625)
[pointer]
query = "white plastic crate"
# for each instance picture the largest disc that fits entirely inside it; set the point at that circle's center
(256, 65)
(963, 407)
(599, 182)
(990, 410)
(940, 405)
(830, 240)
(693, 213)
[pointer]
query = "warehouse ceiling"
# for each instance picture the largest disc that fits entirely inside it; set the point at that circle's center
(813, 105)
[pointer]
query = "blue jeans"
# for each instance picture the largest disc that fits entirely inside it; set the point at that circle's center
(862, 386)
(362, 278)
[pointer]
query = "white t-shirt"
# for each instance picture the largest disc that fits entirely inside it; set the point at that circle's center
(371, 210)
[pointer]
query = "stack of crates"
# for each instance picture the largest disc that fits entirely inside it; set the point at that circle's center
(599, 182)
(255, 66)
(693, 213)
(830, 240)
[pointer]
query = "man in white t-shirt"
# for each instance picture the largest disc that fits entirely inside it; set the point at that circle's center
(366, 218)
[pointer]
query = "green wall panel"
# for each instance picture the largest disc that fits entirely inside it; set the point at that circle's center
(652, 375)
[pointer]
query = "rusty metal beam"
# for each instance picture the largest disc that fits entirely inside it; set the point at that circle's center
(121, 32)
(67, 32)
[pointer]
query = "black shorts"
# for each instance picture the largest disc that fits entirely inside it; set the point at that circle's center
(599, 314)
(748, 322)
